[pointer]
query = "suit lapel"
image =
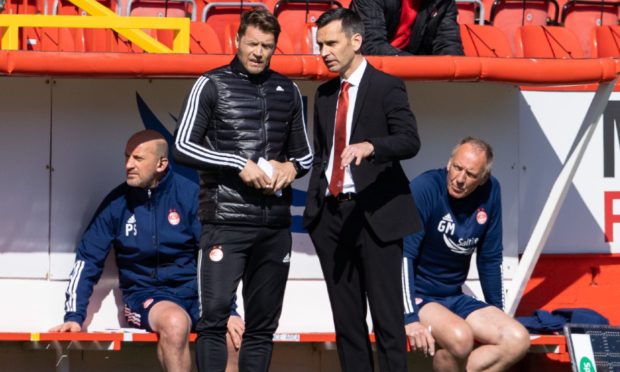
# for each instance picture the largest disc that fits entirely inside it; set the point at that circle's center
(361, 97)
(329, 115)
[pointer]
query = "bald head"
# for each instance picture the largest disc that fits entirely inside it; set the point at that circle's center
(146, 159)
(152, 138)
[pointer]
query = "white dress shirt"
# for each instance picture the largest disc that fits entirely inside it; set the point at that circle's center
(354, 80)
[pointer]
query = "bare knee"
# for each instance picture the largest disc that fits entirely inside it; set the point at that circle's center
(516, 340)
(173, 327)
(460, 342)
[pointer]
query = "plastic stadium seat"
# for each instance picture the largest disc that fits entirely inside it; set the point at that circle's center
(97, 40)
(65, 7)
(203, 39)
(581, 16)
(298, 18)
(488, 4)
(156, 8)
(161, 8)
(509, 15)
(47, 39)
(484, 41)
(100, 40)
(22, 6)
(547, 42)
(224, 19)
(470, 12)
(285, 44)
(106, 40)
(605, 42)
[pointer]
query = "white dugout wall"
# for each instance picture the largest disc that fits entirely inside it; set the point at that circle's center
(61, 152)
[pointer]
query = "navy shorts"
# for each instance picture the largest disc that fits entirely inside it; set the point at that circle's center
(462, 304)
(137, 309)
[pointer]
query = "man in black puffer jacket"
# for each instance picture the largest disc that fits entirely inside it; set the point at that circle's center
(409, 27)
(242, 127)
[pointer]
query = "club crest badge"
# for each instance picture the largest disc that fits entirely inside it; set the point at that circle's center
(173, 217)
(481, 217)
(216, 253)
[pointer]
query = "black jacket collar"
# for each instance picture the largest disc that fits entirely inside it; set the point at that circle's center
(237, 67)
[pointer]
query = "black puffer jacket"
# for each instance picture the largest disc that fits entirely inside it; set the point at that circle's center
(230, 117)
(434, 32)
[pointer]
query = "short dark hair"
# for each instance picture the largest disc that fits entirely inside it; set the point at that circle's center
(351, 22)
(260, 18)
(479, 145)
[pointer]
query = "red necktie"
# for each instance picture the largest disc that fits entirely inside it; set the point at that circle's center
(340, 140)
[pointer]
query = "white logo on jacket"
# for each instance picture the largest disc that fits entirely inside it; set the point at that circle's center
(131, 227)
(463, 246)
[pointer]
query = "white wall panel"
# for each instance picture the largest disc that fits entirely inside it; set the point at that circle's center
(550, 125)
(24, 180)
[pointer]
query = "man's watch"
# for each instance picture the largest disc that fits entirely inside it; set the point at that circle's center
(296, 165)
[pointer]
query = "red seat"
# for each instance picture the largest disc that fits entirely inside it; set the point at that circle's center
(605, 42)
(48, 39)
(298, 18)
(95, 40)
(488, 5)
(106, 40)
(582, 16)
(509, 15)
(466, 13)
(470, 12)
(203, 39)
(224, 19)
(285, 44)
(547, 42)
(23, 7)
(161, 8)
(154, 8)
(484, 41)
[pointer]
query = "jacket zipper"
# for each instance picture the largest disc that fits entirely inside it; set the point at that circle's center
(153, 208)
(264, 131)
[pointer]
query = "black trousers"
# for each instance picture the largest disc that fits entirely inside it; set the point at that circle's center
(260, 257)
(357, 266)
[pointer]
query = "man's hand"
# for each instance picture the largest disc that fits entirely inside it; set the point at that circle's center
(420, 338)
(253, 176)
(66, 327)
(282, 176)
(236, 327)
(357, 152)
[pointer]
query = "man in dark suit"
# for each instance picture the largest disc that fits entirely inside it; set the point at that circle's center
(359, 207)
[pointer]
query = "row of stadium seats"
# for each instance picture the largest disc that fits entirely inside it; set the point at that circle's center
(581, 17)
(532, 41)
(161, 8)
(503, 28)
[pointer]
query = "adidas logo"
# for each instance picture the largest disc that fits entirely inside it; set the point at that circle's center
(287, 258)
(279, 89)
(447, 217)
(132, 219)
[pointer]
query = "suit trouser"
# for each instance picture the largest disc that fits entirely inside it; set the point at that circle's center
(357, 266)
(260, 257)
